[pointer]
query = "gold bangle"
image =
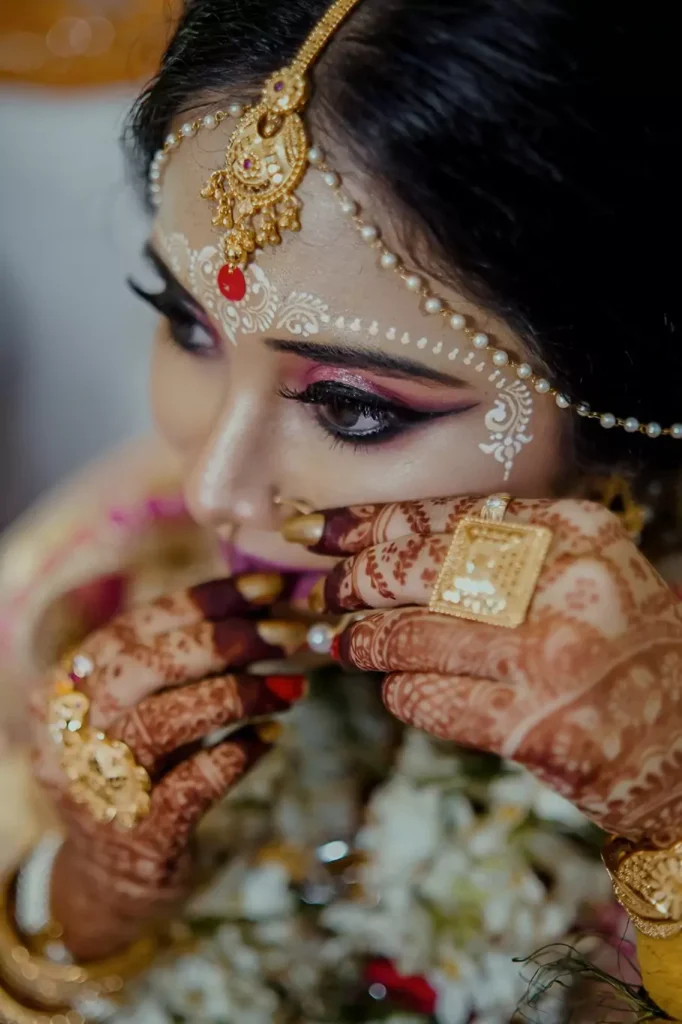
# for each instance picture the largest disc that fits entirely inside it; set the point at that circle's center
(48, 983)
(13, 1012)
(647, 882)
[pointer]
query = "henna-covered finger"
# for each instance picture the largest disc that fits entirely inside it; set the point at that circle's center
(399, 572)
(346, 531)
(476, 713)
(187, 793)
(415, 640)
(186, 655)
(579, 526)
(166, 722)
(215, 600)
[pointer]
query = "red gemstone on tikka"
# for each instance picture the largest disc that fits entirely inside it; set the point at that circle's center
(279, 86)
(232, 283)
(247, 165)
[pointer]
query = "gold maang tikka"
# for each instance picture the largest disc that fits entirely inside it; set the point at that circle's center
(266, 160)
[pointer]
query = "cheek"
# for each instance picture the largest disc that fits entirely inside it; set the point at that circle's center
(457, 456)
(186, 394)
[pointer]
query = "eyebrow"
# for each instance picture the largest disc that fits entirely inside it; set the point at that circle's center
(354, 357)
(363, 359)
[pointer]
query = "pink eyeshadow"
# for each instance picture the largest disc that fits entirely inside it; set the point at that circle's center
(410, 393)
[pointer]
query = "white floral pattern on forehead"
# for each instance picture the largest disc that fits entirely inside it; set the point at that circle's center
(303, 314)
(262, 308)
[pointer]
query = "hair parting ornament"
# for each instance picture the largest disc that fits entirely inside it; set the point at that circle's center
(254, 195)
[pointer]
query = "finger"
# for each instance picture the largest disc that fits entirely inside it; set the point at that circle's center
(189, 791)
(340, 531)
(162, 724)
(414, 640)
(399, 572)
(215, 600)
(473, 712)
(345, 531)
(186, 655)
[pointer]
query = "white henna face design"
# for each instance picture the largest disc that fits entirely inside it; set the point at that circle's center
(303, 314)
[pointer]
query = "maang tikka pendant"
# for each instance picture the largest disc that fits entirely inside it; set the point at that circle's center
(254, 192)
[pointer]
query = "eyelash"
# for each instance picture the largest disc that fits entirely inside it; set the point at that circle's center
(339, 398)
(392, 418)
(181, 320)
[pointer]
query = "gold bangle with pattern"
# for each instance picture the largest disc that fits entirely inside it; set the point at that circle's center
(648, 883)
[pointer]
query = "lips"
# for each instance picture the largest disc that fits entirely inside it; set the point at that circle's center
(241, 562)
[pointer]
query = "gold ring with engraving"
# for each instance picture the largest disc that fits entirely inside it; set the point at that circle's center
(492, 567)
(103, 774)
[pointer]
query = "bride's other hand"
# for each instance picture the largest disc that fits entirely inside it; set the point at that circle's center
(586, 693)
(164, 676)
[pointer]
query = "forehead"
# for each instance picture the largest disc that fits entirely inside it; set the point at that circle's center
(328, 258)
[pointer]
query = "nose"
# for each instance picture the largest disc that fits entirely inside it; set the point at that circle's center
(230, 481)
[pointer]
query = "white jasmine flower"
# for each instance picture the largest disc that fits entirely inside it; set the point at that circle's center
(405, 828)
(146, 1011)
(196, 988)
(265, 892)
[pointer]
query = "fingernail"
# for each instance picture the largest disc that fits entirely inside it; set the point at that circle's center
(316, 599)
(306, 530)
(290, 636)
(335, 649)
(259, 587)
(288, 688)
(269, 732)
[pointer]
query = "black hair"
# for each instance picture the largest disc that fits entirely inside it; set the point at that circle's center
(534, 144)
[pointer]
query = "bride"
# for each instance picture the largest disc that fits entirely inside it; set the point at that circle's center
(417, 368)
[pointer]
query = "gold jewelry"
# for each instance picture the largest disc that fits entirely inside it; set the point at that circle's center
(255, 195)
(51, 984)
(648, 884)
(492, 567)
(303, 508)
(103, 773)
(13, 1012)
(615, 493)
(267, 157)
(321, 635)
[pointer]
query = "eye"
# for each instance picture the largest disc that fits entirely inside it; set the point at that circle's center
(350, 415)
(186, 327)
(355, 417)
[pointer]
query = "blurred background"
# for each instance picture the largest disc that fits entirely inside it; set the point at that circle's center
(74, 344)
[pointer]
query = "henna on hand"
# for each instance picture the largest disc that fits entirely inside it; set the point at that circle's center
(149, 689)
(587, 693)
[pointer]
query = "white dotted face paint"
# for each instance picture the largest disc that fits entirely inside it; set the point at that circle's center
(303, 314)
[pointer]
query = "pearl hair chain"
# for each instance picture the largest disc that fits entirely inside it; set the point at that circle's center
(432, 304)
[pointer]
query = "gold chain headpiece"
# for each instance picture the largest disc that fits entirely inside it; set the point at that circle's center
(267, 157)
(255, 197)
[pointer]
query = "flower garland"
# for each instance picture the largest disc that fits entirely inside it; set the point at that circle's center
(410, 905)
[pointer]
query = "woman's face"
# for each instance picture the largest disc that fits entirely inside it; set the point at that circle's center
(327, 383)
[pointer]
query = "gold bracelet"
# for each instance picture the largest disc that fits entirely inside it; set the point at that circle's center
(647, 882)
(48, 983)
(12, 1012)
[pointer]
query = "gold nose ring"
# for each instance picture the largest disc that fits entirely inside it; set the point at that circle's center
(304, 508)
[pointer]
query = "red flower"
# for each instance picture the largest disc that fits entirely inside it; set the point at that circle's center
(411, 993)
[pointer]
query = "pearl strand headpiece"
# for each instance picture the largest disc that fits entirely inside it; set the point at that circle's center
(255, 199)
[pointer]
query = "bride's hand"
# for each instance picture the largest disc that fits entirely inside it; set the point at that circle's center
(587, 692)
(164, 676)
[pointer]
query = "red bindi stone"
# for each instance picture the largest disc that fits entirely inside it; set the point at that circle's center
(231, 283)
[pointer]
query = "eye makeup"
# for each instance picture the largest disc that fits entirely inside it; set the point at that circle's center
(189, 328)
(359, 409)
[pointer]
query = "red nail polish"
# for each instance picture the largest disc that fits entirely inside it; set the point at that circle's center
(288, 688)
(335, 649)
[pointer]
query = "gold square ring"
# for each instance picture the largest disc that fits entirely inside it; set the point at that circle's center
(492, 567)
